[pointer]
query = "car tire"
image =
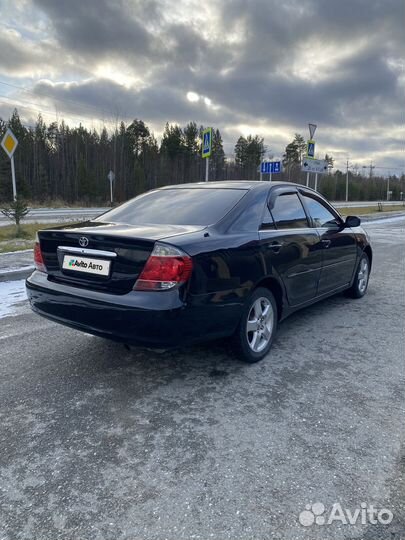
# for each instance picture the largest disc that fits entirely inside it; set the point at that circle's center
(360, 283)
(257, 327)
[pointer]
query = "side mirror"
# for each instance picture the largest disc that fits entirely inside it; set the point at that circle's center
(352, 221)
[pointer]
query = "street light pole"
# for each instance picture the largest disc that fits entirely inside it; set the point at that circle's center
(347, 180)
(111, 178)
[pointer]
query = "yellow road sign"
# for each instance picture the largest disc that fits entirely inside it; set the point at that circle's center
(9, 143)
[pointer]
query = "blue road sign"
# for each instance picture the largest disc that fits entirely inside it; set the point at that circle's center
(270, 167)
(311, 149)
(207, 143)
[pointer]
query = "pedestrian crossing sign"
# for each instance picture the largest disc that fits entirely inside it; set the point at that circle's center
(206, 143)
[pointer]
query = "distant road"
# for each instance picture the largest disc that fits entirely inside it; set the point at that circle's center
(53, 215)
(363, 204)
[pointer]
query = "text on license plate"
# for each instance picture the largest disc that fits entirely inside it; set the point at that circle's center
(89, 266)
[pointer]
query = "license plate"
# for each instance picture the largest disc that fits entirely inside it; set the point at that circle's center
(76, 263)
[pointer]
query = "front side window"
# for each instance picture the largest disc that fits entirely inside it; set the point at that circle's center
(288, 212)
(321, 216)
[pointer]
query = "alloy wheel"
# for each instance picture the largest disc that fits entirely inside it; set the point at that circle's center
(260, 324)
(362, 275)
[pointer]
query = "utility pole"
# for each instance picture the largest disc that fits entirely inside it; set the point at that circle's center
(347, 180)
(372, 167)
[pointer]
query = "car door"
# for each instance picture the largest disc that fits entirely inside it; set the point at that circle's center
(339, 250)
(290, 245)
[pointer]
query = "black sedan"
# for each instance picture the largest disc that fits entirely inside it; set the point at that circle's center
(193, 262)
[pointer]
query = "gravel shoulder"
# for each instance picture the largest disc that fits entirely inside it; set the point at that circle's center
(98, 442)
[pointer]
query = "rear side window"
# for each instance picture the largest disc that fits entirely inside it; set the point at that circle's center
(267, 221)
(193, 206)
(288, 212)
(321, 216)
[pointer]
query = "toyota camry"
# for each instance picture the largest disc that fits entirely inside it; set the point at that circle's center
(193, 262)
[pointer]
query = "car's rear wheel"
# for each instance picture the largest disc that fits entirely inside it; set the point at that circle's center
(257, 326)
(360, 283)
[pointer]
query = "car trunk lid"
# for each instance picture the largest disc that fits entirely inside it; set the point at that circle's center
(102, 256)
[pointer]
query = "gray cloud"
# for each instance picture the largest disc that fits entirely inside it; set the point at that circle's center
(264, 64)
(18, 54)
(97, 27)
(108, 99)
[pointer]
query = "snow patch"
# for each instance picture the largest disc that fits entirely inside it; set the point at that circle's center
(12, 293)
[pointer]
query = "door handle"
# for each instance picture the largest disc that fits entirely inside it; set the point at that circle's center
(275, 246)
(326, 243)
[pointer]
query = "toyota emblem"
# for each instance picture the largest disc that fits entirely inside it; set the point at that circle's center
(83, 241)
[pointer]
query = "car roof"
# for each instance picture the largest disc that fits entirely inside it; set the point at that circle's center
(231, 184)
(251, 185)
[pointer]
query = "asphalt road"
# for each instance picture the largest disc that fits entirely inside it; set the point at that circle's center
(52, 215)
(97, 442)
(365, 204)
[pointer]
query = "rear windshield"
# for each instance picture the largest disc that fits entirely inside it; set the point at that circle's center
(194, 206)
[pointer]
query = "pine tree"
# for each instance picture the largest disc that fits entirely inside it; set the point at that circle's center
(301, 146)
(218, 155)
(16, 211)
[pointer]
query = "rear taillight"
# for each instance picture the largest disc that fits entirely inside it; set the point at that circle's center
(167, 267)
(38, 259)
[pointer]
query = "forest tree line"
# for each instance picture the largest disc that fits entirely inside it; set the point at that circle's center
(56, 162)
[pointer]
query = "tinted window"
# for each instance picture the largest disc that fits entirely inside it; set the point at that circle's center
(267, 222)
(192, 206)
(249, 219)
(288, 212)
(321, 216)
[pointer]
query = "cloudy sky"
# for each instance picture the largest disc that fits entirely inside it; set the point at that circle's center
(258, 66)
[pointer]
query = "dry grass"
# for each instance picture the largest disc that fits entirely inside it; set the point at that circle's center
(10, 242)
(28, 230)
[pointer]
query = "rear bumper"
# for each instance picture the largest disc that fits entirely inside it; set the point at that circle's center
(153, 319)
